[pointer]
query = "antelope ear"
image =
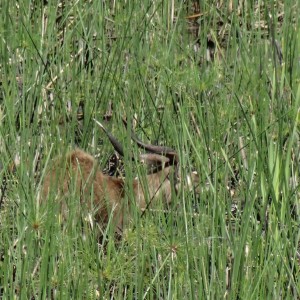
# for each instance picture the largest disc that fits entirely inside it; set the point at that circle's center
(154, 162)
(193, 180)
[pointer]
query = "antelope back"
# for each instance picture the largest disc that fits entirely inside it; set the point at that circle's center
(94, 190)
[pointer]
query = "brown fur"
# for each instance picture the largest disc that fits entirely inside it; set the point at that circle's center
(107, 193)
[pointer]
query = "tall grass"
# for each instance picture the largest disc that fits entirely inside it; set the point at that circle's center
(234, 119)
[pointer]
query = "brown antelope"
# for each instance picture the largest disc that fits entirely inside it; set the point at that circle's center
(105, 194)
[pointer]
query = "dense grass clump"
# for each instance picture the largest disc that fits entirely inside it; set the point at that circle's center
(217, 81)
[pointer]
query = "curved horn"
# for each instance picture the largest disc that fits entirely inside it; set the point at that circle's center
(168, 152)
(118, 147)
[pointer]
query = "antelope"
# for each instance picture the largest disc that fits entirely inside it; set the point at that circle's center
(106, 194)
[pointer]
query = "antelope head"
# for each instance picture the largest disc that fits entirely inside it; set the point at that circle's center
(163, 175)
